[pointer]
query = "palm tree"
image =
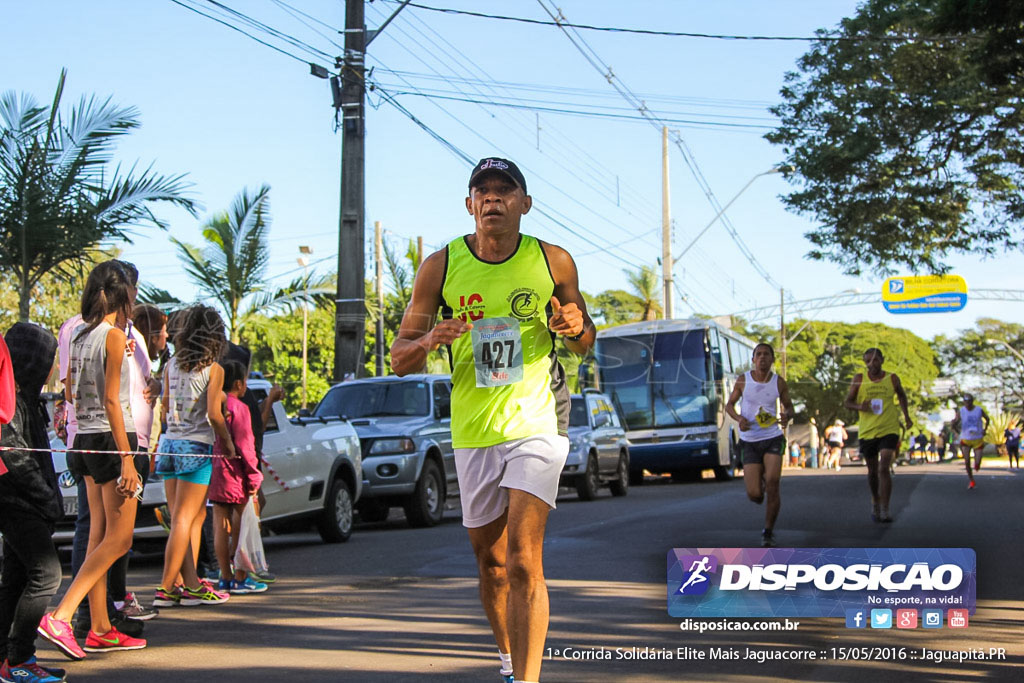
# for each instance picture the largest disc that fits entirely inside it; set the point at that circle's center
(58, 201)
(231, 268)
(647, 288)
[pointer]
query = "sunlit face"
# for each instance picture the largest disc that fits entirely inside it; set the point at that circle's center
(160, 340)
(763, 358)
(496, 202)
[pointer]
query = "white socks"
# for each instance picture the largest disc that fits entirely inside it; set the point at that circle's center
(506, 663)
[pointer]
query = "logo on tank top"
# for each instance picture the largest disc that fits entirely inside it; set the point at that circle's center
(523, 303)
(470, 307)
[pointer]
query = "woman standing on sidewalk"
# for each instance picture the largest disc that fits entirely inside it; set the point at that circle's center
(99, 389)
(193, 405)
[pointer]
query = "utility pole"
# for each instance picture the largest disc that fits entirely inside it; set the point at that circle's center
(782, 328)
(378, 239)
(350, 304)
(666, 228)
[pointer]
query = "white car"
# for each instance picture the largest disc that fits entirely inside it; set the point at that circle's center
(313, 471)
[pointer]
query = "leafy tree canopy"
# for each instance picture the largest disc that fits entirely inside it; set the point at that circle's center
(980, 359)
(905, 128)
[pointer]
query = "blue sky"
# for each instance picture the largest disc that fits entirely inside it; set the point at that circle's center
(233, 113)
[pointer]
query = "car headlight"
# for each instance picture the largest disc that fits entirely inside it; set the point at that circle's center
(387, 446)
(577, 443)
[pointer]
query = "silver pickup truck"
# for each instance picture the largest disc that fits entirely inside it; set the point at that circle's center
(404, 426)
(314, 472)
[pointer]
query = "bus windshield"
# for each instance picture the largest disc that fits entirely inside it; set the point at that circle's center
(657, 380)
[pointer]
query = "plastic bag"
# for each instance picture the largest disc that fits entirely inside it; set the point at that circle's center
(249, 555)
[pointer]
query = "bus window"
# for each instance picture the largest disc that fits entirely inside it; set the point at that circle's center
(625, 363)
(679, 380)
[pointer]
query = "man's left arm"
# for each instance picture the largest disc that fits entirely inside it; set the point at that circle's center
(787, 403)
(569, 317)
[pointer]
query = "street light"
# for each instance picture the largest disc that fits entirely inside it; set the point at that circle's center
(777, 169)
(303, 261)
(1007, 345)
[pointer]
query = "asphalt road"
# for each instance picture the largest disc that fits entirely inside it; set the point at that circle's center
(400, 604)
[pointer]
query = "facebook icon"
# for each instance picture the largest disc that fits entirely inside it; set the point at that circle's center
(856, 618)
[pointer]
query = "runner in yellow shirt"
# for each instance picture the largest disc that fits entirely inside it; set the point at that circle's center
(503, 298)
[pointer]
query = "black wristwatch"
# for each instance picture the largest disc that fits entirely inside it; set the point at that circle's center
(578, 336)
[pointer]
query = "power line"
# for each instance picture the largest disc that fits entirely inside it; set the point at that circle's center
(820, 37)
(594, 59)
(266, 28)
(245, 33)
(592, 114)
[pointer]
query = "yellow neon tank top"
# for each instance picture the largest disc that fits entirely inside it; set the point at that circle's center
(507, 383)
(884, 418)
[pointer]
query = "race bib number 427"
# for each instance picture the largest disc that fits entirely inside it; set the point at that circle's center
(497, 351)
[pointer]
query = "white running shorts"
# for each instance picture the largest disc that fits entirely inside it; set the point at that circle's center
(533, 464)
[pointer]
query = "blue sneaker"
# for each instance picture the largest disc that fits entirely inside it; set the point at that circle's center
(224, 585)
(507, 678)
(247, 586)
(30, 672)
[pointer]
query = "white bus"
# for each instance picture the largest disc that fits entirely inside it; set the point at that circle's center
(670, 380)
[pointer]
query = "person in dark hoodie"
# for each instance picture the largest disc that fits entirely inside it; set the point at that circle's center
(30, 504)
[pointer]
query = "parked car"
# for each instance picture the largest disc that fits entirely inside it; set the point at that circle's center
(404, 427)
(314, 473)
(598, 449)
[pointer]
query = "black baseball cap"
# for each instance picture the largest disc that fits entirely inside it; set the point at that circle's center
(503, 166)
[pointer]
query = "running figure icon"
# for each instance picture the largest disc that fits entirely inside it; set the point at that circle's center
(696, 570)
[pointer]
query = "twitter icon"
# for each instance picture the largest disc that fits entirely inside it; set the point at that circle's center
(881, 618)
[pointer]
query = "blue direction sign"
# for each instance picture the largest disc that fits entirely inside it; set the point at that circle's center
(924, 294)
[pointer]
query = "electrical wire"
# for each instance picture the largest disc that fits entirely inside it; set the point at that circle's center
(820, 37)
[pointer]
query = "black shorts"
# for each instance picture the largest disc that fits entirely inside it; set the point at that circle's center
(869, 448)
(103, 467)
(1013, 450)
(753, 452)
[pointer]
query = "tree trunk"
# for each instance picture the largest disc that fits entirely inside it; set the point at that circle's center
(24, 301)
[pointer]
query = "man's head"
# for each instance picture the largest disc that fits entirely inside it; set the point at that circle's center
(763, 357)
(968, 400)
(497, 195)
(873, 359)
(839, 423)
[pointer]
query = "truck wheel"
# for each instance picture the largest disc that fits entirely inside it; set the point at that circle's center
(620, 486)
(373, 510)
(335, 523)
(425, 506)
(588, 484)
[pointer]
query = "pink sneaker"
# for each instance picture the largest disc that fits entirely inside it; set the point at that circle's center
(112, 640)
(61, 635)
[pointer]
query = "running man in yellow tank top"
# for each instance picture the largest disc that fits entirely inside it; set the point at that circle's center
(874, 395)
(503, 298)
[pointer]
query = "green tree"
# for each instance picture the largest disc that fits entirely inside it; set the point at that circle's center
(825, 356)
(647, 289)
(279, 356)
(905, 129)
(615, 307)
(59, 199)
(231, 268)
(979, 359)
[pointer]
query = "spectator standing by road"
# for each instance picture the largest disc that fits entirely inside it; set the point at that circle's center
(99, 390)
(875, 394)
(193, 405)
(972, 422)
(813, 442)
(503, 296)
(30, 504)
(235, 481)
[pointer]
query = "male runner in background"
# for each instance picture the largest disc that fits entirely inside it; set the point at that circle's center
(872, 394)
(503, 297)
(972, 423)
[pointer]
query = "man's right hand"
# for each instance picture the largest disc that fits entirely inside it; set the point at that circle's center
(744, 424)
(447, 331)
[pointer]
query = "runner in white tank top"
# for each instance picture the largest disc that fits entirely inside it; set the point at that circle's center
(762, 442)
(972, 423)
